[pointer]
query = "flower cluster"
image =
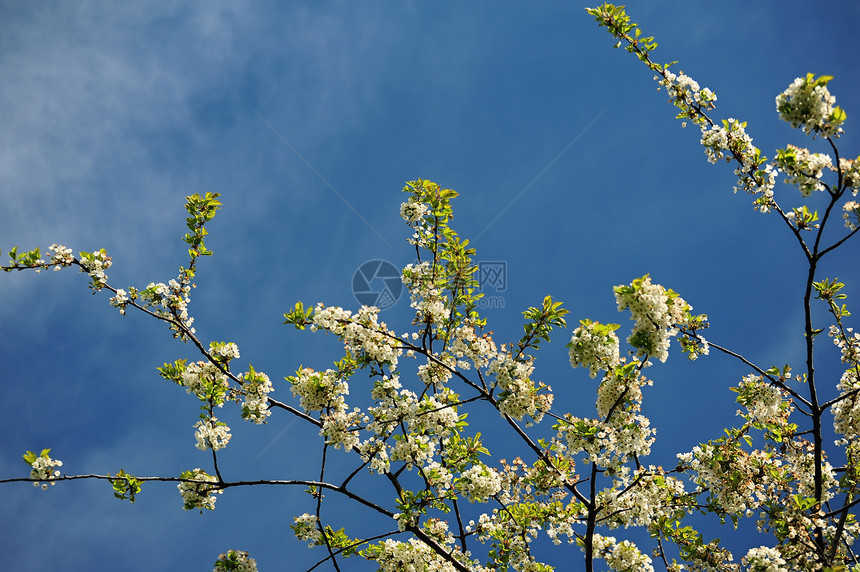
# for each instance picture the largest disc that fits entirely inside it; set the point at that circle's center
(61, 256)
(808, 104)
(318, 390)
(206, 381)
(465, 343)
(686, 94)
(765, 403)
(235, 560)
(684, 87)
(803, 169)
(606, 443)
(211, 434)
(307, 528)
(120, 301)
(425, 423)
(426, 211)
(339, 427)
(374, 452)
(639, 498)
(425, 297)
(435, 373)
(798, 460)
(43, 469)
(392, 408)
(758, 182)
(620, 392)
(479, 483)
(849, 344)
(417, 556)
(413, 210)
(510, 536)
(434, 415)
(362, 334)
(560, 527)
(438, 477)
(595, 346)
(413, 450)
(223, 351)
(395, 556)
(170, 301)
(730, 141)
(655, 311)
(200, 493)
(324, 392)
(621, 556)
(755, 473)
(764, 559)
(95, 264)
(438, 530)
(846, 411)
(256, 386)
(851, 214)
(519, 396)
(727, 141)
(850, 174)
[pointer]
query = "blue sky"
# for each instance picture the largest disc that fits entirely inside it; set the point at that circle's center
(308, 118)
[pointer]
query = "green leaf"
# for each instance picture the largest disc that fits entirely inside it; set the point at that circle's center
(125, 486)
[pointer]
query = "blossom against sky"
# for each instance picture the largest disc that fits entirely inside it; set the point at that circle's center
(308, 118)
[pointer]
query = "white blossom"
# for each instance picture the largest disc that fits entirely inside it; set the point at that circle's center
(306, 528)
(809, 105)
(257, 387)
(413, 210)
(621, 556)
(764, 559)
(851, 214)
(846, 411)
(479, 483)
(206, 381)
(238, 560)
(594, 346)
(318, 390)
(804, 169)
(61, 255)
(44, 469)
(211, 434)
(199, 494)
(655, 311)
